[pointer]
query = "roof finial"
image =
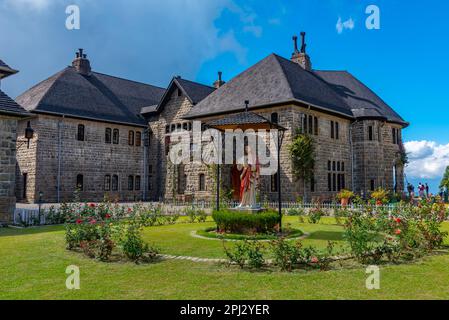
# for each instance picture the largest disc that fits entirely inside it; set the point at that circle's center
(303, 42)
(246, 105)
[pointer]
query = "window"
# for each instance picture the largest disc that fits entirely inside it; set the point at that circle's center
(179, 92)
(167, 129)
(173, 127)
(274, 182)
(310, 125)
(202, 186)
(312, 183)
(108, 136)
(131, 138)
(115, 182)
(335, 130)
(315, 126)
(182, 179)
(275, 118)
(370, 133)
(25, 185)
(138, 182)
(130, 183)
(107, 183)
(150, 178)
(372, 185)
(167, 145)
(184, 126)
(304, 123)
(116, 136)
(395, 135)
(80, 135)
(336, 176)
(80, 182)
(138, 139)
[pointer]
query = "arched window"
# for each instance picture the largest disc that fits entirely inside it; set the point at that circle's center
(202, 184)
(115, 182)
(107, 183)
(108, 135)
(116, 136)
(131, 138)
(80, 182)
(80, 134)
(275, 118)
(138, 139)
(130, 183)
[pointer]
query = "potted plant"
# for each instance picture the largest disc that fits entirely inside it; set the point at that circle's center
(344, 196)
(380, 196)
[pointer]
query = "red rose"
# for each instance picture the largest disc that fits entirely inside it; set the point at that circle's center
(398, 220)
(398, 232)
(108, 216)
(130, 210)
(79, 221)
(92, 205)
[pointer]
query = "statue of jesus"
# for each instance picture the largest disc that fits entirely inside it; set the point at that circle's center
(249, 180)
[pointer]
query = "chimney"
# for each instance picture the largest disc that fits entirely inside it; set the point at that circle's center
(219, 82)
(300, 56)
(81, 63)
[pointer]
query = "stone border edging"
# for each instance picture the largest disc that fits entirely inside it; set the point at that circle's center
(195, 235)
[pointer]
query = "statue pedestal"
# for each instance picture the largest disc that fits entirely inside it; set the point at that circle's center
(248, 209)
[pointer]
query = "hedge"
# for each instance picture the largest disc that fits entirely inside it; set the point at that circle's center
(242, 222)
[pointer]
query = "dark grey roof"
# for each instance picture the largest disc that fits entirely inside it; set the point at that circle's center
(242, 119)
(362, 100)
(276, 80)
(9, 106)
(97, 96)
(5, 70)
(194, 91)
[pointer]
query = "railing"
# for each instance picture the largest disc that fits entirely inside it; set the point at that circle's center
(47, 216)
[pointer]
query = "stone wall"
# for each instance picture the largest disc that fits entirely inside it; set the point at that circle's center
(55, 155)
(8, 127)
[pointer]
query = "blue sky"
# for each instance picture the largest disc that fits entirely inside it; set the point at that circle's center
(405, 62)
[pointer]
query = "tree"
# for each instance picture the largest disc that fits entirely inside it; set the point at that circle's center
(302, 153)
(445, 181)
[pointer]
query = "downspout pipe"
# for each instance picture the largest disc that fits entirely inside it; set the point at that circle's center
(60, 128)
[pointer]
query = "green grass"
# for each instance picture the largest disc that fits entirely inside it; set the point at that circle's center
(212, 234)
(33, 263)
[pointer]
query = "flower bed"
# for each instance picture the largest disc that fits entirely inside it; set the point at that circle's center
(213, 234)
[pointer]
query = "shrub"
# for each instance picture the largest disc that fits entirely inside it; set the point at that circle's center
(285, 254)
(380, 196)
(315, 215)
(345, 194)
(241, 222)
(246, 252)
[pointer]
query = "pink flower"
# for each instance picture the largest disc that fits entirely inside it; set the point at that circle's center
(130, 210)
(314, 260)
(79, 221)
(93, 221)
(108, 216)
(398, 232)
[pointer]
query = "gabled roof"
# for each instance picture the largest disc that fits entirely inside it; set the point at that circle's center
(276, 80)
(244, 120)
(194, 91)
(10, 107)
(5, 70)
(97, 97)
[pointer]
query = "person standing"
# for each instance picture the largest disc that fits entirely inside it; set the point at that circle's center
(421, 190)
(427, 190)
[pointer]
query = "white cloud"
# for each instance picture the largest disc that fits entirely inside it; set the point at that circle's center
(28, 4)
(342, 25)
(428, 159)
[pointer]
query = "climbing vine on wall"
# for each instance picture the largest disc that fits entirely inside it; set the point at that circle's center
(302, 153)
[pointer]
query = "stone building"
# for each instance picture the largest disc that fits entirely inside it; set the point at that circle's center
(10, 114)
(357, 136)
(89, 137)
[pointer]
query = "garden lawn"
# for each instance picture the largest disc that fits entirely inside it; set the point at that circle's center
(33, 263)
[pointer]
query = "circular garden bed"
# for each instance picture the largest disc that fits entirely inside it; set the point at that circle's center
(212, 233)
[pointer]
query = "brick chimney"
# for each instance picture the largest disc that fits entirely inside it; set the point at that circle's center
(300, 56)
(219, 82)
(81, 63)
